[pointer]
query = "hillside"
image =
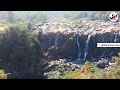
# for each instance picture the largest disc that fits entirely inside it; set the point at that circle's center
(58, 45)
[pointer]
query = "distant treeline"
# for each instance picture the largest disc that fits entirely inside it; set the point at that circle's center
(13, 16)
(91, 15)
(42, 16)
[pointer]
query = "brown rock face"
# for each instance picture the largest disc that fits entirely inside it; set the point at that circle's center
(104, 38)
(65, 39)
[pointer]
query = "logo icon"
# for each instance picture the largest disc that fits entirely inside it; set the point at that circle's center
(113, 17)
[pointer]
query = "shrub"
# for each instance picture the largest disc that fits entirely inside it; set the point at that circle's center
(115, 73)
(100, 74)
(72, 74)
(116, 59)
(20, 52)
(88, 67)
(85, 72)
(3, 75)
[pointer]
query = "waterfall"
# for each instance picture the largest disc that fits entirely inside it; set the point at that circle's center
(86, 47)
(79, 53)
(92, 58)
(78, 44)
(119, 32)
(115, 38)
(56, 41)
(49, 39)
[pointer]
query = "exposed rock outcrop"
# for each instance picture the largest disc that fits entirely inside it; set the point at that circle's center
(63, 35)
(102, 63)
(63, 63)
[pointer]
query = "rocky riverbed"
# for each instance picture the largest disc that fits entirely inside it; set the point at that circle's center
(58, 69)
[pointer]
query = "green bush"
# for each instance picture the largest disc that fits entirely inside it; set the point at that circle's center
(116, 59)
(115, 73)
(20, 52)
(85, 72)
(112, 74)
(88, 67)
(3, 75)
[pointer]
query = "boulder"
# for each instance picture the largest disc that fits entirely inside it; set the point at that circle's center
(102, 63)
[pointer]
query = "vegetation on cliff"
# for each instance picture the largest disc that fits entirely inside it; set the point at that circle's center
(30, 50)
(20, 53)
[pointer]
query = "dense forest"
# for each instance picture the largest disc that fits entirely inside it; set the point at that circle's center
(58, 45)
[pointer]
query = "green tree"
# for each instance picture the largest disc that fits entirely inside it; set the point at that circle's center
(36, 16)
(20, 53)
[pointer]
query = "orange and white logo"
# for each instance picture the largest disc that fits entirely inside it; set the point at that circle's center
(113, 17)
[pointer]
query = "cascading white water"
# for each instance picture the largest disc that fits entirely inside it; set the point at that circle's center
(78, 44)
(49, 39)
(79, 53)
(86, 47)
(56, 41)
(119, 32)
(115, 38)
(92, 58)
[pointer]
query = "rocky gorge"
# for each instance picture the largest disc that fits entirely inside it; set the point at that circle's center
(77, 41)
(59, 45)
